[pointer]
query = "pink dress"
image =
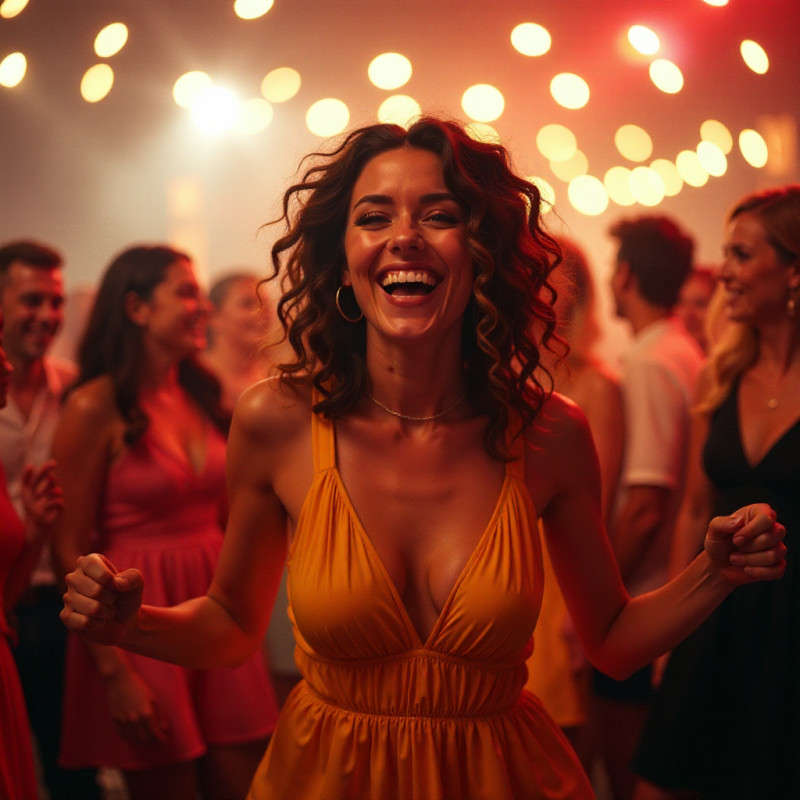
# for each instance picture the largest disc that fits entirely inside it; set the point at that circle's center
(160, 516)
(17, 778)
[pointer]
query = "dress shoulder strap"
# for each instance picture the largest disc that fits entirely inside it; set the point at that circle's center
(323, 438)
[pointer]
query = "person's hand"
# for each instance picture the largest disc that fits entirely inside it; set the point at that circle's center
(136, 713)
(747, 546)
(41, 496)
(100, 603)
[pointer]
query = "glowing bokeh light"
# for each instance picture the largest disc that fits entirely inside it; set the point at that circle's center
(389, 71)
(483, 102)
(399, 109)
(280, 84)
(588, 195)
(754, 56)
(666, 76)
(186, 89)
(255, 115)
(547, 194)
(556, 142)
(633, 143)
(577, 164)
(216, 110)
(96, 83)
(712, 159)
(617, 183)
(646, 186)
(643, 40)
(483, 132)
(531, 39)
(690, 168)
(12, 69)
(10, 8)
(753, 148)
(718, 3)
(111, 39)
(327, 117)
(714, 131)
(570, 90)
(673, 182)
(251, 9)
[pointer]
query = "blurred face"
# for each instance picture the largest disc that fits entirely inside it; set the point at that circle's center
(618, 284)
(241, 319)
(406, 247)
(693, 304)
(5, 368)
(174, 319)
(756, 281)
(33, 306)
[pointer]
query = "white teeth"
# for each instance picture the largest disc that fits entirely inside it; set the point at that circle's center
(403, 276)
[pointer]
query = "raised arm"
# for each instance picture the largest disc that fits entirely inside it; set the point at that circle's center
(620, 634)
(227, 625)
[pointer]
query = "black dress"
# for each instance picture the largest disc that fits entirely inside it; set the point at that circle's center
(726, 719)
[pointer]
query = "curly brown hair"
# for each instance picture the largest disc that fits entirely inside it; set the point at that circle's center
(509, 317)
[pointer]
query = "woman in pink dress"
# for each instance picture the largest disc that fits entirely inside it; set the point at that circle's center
(19, 549)
(141, 447)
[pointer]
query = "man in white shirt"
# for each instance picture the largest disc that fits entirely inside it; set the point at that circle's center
(32, 300)
(658, 378)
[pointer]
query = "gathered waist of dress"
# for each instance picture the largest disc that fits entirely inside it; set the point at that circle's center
(420, 683)
(165, 532)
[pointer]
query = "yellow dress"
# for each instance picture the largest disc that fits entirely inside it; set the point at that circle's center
(381, 715)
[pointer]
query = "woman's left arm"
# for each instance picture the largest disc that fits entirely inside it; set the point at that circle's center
(621, 634)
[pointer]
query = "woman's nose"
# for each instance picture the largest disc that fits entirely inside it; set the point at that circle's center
(406, 237)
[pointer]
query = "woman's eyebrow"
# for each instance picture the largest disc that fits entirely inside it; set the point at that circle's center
(384, 199)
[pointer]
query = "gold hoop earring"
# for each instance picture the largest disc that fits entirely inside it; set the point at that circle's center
(339, 306)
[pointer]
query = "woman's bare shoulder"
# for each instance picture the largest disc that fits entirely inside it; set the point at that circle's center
(93, 401)
(560, 416)
(272, 409)
(560, 454)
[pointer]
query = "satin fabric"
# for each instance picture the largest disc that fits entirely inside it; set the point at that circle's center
(382, 714)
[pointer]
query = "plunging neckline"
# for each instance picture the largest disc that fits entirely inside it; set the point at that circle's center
(427, 642)
(771, 443)
(181, 457)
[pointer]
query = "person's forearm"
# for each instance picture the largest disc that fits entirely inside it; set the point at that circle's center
(198, 633)
(653, 623)
(687, 539)
(633, 531)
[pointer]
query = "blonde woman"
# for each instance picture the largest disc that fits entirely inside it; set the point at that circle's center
(727, 718)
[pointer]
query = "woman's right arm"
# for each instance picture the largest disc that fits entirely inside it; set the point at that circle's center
(228, 624)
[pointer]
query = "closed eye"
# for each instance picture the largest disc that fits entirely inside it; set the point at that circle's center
(443, 218)
(370, 218)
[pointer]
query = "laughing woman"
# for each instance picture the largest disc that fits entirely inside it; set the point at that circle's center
(141, 449)
(412, 445)
(731, 691)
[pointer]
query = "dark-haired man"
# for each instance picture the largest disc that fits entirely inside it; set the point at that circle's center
(659, 371)
(32, 300)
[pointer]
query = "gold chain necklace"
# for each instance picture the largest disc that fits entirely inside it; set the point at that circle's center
(409, 418)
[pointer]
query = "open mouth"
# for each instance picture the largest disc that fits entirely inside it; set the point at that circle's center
(411, 283)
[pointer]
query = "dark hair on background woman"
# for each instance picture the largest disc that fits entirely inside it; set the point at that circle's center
(511, 304)
(112, 343)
